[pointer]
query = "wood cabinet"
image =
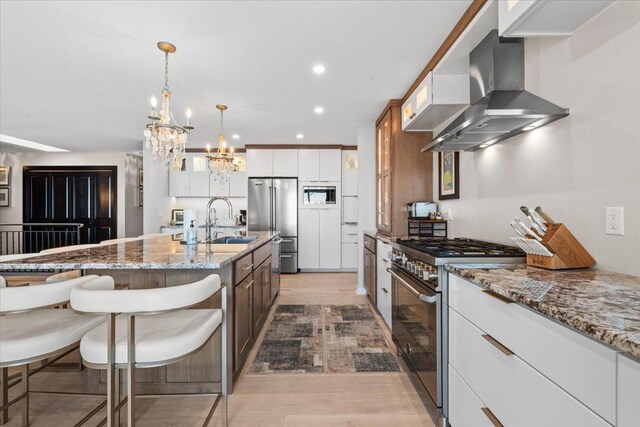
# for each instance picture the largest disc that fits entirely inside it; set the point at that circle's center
(369, 259)
(261, 281)
(243, 321)
(403, 172)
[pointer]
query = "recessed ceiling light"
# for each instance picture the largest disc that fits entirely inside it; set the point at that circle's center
(319, 110)
(319, 69)
(29, 144)
(299, 136)
(235, 136)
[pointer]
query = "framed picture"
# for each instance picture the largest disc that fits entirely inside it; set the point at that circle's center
(5, 175)
(449, 175)
(177, 216)
(5, 197)
(140, 196)
(140, 178)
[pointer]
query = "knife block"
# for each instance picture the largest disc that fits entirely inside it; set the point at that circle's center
(567, 250)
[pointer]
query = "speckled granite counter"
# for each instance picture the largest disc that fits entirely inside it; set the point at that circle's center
(601, 304)
(154, 253)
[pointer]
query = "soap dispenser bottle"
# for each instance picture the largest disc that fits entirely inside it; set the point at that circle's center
(192, 237)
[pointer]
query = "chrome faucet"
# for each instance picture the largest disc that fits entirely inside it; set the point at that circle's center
(209, 223)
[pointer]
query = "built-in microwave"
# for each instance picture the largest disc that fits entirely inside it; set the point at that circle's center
(319, 195)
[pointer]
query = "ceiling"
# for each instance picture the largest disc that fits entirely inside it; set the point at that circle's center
(79, 75)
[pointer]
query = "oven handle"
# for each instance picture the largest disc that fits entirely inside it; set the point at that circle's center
(429, 299)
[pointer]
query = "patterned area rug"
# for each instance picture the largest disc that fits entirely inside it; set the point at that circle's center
(331, 338)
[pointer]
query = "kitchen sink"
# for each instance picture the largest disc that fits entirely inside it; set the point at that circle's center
(234, 240)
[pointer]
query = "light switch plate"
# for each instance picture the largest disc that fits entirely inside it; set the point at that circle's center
(614, 221)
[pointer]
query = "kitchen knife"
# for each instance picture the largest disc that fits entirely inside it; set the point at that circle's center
(535, 217)
(518, 232)
(527, 231)
(544, 216)
(535, 225)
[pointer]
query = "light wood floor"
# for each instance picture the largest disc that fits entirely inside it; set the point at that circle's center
(282, 400)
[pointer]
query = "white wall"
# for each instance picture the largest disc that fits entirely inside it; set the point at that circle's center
(366, 189)
(576, 166)
(125, 204)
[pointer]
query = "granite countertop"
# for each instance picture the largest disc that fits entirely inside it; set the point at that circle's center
(153, 253)
(602, 304)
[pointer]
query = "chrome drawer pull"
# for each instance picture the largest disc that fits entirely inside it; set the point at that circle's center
(249, 284)
(491, 417)
(497, 296)
(497, 345)
(248, 267)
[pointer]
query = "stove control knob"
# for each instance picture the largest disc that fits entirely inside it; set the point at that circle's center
(430, 276)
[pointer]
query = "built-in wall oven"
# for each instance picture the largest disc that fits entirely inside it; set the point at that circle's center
(417, 331)
(319, 195)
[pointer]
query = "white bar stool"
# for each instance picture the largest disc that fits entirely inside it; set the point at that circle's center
(31, 330)
(148, 328)
(68, 248)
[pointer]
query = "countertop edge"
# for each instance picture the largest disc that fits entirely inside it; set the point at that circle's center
(603, 335)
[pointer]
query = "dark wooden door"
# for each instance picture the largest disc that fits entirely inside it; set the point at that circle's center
(60, 194)
(243, 312)
(258, 302)
(266, 290)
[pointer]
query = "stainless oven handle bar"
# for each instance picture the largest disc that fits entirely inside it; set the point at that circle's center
(430, 299)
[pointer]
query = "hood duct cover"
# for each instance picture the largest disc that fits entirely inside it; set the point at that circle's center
(500, 108)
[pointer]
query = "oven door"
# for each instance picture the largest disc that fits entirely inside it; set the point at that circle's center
(416, 329)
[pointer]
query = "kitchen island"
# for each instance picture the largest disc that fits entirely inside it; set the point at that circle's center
(246, 268)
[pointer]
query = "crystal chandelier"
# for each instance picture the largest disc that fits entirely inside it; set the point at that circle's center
(163, 136)
(221, 164)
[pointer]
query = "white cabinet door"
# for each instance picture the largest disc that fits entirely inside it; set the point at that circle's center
(330, 238)
(350, 255)
(330, 165)
(465, 408)
(349, 209)
(383, 289)
(309, 165)
(218, 187)
(308, 238)
(349, 173)
(179, 181)
(259, 162)
(198, 175)
(512, 11)
(628, 392)
(238, 184)
(285, 163)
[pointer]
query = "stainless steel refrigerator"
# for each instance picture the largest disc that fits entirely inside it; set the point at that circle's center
(273, 205)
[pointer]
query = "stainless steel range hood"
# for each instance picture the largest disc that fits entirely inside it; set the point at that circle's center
(500, 108)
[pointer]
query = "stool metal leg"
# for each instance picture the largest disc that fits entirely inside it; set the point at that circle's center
(4, 394)
(111, 370)
(131, 370)
(224, 377)
(25, 390)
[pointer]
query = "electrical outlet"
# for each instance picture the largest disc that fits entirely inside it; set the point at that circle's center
(614, 221)
(450, 214)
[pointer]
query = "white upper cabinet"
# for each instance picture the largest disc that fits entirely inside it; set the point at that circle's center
(436, 99)
(259, 162)
(285, 163)
(238, 184)
(330, 165)
(198, 175)
(540, 18)
(218, 188)
(308, 165)
(349, 173)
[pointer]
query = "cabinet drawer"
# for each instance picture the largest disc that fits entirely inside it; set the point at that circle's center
(383, 249)
(628, 392)
(581, 366)
(243, 267)
(465, 409)
(260, 254)
(517, 394)
(370, 243)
